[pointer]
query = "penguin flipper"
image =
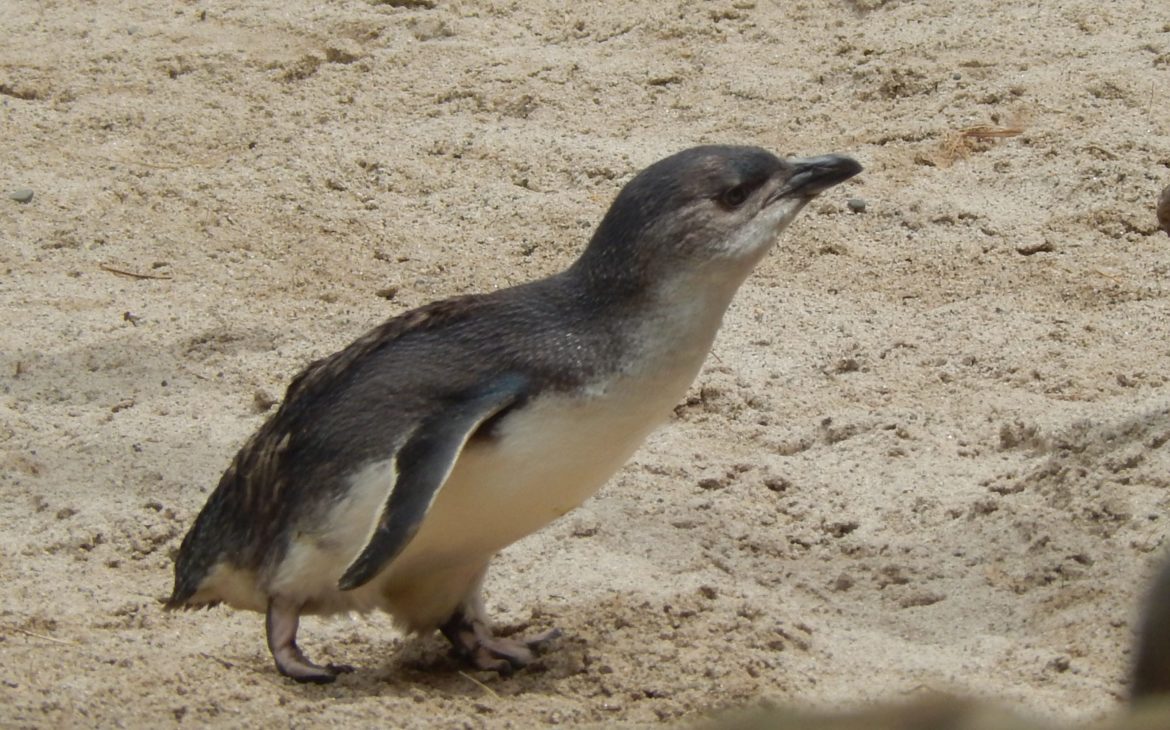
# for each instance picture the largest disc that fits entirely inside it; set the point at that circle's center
(423, 463)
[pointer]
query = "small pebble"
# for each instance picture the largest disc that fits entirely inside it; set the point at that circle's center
(1028, 249)
(21, 195)
(262, 401)
(856, 205)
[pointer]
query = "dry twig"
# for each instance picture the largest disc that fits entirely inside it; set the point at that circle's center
(132, 274)
(35, 635)
(959, 145)
(479, 684)
(223, 662)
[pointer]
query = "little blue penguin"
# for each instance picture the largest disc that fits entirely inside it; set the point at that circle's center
(395, 469)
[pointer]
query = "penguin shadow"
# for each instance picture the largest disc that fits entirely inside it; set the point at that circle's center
(92, 375)
(429, 663)
(419, 666)
(124, 368)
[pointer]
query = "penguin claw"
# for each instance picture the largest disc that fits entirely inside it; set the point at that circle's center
(517, 654)
(304, 671)
(543, 639)
(293, 664)
(487, 660)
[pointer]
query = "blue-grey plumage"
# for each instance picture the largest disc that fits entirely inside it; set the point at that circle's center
(1150, 674)
(395, 469)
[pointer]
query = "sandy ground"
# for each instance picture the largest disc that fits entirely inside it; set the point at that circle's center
(929, 450)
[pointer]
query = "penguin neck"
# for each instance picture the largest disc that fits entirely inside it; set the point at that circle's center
(672, 318)
(684, 312)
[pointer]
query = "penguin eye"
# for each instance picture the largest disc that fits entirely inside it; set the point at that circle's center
(734, 197)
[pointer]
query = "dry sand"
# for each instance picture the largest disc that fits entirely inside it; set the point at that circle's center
(929, 450)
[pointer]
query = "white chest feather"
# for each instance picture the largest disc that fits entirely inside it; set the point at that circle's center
(547, 459)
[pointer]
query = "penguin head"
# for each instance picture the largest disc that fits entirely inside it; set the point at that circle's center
(705, 209)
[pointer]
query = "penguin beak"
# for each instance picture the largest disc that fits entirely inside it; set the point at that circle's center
(812, 175)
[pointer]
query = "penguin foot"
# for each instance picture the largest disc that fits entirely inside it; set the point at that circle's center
(473, 642)
(281, 624)
(299, 668)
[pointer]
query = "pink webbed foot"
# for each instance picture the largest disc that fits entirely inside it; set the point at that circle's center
(474, 643)
(281, 623)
